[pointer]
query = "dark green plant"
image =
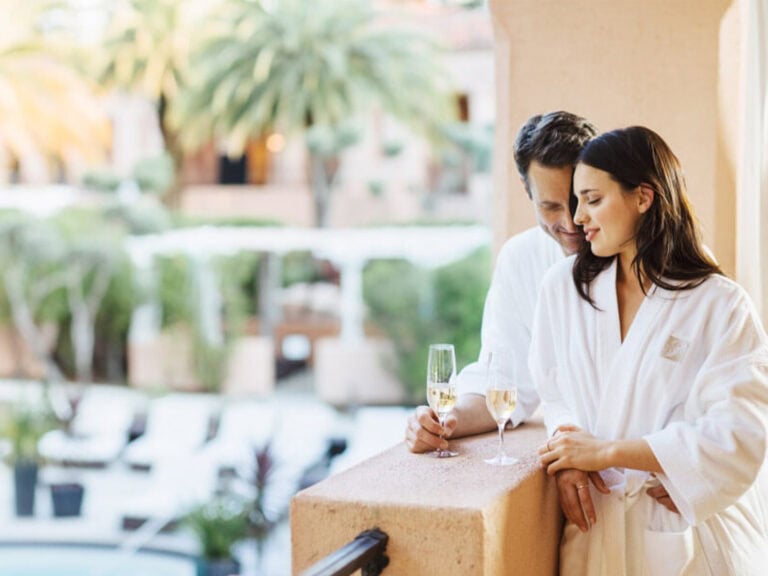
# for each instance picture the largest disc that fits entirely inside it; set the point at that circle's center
(174, 290)
(416, 307)
(239, 290)
(299, 267)
(114, 319)
(219, 525)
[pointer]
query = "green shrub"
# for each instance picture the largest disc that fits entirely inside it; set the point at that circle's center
(154, 174)
(104, 180)
(299, 267)
(186, 221)
(176, 300)
(416, 307)
(179, 301)
(219, 525)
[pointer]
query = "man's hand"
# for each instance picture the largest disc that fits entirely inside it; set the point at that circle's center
(422, 433)
(660, 494)
(575, 498)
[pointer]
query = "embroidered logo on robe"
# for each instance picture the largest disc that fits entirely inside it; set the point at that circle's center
(674, 349)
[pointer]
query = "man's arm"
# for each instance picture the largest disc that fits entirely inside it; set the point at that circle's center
(469, 416)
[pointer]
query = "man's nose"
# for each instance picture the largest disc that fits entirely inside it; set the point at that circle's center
(578, 217)
(568, 222)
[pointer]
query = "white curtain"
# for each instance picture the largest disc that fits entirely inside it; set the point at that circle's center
(752, 207)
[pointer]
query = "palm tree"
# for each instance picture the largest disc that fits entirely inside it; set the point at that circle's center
(146, 50)
(47, 110)
(312, 69)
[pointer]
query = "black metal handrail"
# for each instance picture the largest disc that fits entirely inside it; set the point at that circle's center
(366, 552)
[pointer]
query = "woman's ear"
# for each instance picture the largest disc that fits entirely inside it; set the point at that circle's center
(645, 197)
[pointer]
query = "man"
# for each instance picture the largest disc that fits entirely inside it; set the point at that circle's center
(546, 150)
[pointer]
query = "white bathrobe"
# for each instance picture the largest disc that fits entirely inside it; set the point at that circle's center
(691, 378)
(508, 314)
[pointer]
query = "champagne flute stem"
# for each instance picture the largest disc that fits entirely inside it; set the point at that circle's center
(441, 419)
(501, 454)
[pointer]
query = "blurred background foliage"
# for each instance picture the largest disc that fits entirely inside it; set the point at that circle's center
(416, 307)
(231, 74)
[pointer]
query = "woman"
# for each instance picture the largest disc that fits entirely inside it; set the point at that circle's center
(653, 370)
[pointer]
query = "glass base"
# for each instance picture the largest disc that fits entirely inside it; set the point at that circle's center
(444, 453)
(500, 460)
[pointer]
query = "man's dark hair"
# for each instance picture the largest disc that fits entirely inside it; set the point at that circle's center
(554, 140)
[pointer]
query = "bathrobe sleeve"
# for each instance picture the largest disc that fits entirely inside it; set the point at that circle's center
(542, 359)
(713, 456)
(504, 326)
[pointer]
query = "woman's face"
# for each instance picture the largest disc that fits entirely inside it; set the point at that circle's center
(610, 216)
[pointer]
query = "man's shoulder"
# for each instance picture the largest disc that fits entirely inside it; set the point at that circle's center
(560, 273)
(532, 245)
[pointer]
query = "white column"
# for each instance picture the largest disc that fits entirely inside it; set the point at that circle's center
(752, 202)
(352, 301)
(209, 300)
(146, 317)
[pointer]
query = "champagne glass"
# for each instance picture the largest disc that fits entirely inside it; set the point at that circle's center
(501, 397)
(441, 386)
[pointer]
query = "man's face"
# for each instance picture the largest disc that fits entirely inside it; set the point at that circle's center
(550, 191)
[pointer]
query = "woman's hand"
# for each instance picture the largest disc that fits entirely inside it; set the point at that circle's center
(573, 448)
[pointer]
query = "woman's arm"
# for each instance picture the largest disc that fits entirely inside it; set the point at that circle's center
(581, 450)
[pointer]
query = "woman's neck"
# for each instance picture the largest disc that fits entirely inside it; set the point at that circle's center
(625, 273)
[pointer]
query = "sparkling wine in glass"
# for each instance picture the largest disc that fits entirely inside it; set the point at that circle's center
(501, 398)
(441, 385)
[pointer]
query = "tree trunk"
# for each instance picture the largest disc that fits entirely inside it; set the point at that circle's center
(23, 320)
(84, 309)
(323, 171)
(81, 331)
(172, 197)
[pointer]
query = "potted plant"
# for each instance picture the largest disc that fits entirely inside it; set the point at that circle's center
(24, 425)
(218, 525)
(67, 493)
(259, 520)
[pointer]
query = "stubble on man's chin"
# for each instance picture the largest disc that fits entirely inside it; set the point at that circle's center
(570, 247)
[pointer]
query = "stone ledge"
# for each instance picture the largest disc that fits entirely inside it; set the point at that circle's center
(455, 516)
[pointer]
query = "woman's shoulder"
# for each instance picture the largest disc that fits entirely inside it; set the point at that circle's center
(721, 288)
(718, 292)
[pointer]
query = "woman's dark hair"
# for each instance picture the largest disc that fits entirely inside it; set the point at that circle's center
(553, 140)
(670, 252)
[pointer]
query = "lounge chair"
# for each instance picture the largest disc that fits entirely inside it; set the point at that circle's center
(99, 431)
(176, 425)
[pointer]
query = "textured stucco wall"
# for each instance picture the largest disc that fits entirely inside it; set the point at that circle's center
(672, 66)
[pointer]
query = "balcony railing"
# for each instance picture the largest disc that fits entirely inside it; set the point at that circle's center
(366, 553)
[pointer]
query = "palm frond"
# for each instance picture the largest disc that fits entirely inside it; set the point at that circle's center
(275, 63)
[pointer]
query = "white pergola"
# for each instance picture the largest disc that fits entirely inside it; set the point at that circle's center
(349, 249)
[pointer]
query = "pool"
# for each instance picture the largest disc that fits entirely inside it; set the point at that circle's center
(89, 560)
